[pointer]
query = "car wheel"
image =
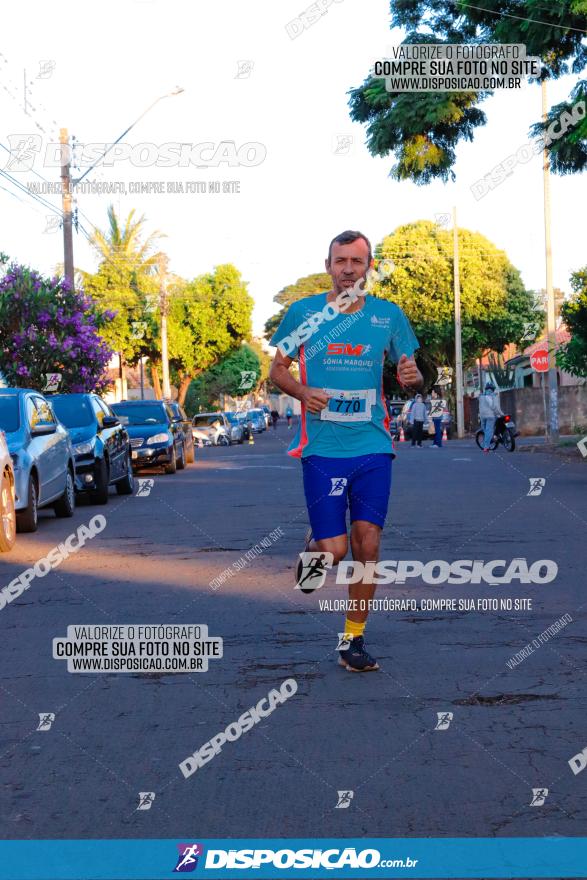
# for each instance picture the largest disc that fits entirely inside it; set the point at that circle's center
(126, 485)
(65, 506)
(171, 467)
(181, 459)
(27, 520)
(242, 439)
(99, 495)
(7, 515)
(190, 455)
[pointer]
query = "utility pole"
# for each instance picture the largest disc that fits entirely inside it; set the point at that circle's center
(458, 346)
(66, 206)
(164, 310)
(551, 427)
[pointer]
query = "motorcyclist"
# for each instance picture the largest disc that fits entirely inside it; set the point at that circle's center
(489, 411)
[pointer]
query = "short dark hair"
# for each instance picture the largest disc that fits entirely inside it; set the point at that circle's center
(347, 237)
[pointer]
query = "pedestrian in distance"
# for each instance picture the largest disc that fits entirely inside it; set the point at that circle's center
(288, 415)
(437, 410)
(417, 419)
(489, 411)
(274, 418)
(343, 437)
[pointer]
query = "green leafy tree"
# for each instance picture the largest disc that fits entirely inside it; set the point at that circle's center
(208, 318)
(422, 129)
(572, 357)
(303, 287)
(231, 375)
(496, 309)
(126, 282)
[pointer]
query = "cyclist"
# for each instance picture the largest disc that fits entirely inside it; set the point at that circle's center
(343, 437)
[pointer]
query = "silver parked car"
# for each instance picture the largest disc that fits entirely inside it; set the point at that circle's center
(42, 456)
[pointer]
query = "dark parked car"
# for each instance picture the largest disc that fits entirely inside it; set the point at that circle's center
(42, 456)
(186, 426)
(155, 437)
(100, 444)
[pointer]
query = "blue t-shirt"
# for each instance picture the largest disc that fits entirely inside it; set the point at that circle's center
(344, 355)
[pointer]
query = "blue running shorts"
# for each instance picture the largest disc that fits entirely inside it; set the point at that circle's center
(361, 483)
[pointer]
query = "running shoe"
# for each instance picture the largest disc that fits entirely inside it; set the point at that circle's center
(356, 658)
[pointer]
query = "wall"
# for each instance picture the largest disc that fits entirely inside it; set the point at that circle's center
(526, 407)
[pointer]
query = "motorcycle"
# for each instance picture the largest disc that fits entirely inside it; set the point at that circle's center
(504, 433)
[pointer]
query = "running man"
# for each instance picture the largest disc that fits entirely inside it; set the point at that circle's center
(341, 339)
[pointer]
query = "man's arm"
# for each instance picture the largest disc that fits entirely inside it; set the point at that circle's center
(313, 399)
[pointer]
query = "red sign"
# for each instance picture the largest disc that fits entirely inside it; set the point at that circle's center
(539, 360)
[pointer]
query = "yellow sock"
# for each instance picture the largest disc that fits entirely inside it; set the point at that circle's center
(355, 629)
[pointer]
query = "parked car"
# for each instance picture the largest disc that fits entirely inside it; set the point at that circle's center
(256, 421)
(237, 431)
(394, 409)
(211, 428)
(7, 511)
(155, 437)
(100, 443)
(42, 456)
(182, 419)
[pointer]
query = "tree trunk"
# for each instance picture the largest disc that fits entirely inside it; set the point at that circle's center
(156, 381)
(183, 389)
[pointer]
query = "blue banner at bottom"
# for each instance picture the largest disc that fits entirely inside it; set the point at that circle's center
(304, 858)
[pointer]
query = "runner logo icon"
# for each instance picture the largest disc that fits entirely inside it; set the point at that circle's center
(314, 568)
(187, 860)
(46, 719)
(539, 795)
(344, 800)
(444, 719)
(338, 485)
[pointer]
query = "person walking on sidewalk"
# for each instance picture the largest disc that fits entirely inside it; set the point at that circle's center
(288, 415)
(417, 419)
(274, 418)
(489, 411)
(437, 409)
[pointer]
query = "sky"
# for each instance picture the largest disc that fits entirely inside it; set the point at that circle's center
(95, 69)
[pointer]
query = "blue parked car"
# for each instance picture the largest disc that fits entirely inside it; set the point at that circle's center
(156, 438)
(100, 443)
(42, 456)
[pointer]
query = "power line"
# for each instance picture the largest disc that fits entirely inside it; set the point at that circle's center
(518, 17)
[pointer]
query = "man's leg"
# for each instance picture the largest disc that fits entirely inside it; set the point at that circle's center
(365, 539)
(438, 432)
(488, 428)
(418, 428)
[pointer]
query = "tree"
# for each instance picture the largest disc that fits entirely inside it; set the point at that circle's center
(46, 327)
(208, 318)
(496, 309)
(572, 356)
(235, 375)
(126, 281)
(303, 287)
(422, 129)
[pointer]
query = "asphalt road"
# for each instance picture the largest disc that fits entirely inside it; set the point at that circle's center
(115, 735)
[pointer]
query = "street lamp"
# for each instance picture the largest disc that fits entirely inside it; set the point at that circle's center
(176, 91)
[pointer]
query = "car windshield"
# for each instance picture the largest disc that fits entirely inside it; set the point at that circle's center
(231, 417)
(9, 418)
(140, 413)
(74, 412)
(206, 421)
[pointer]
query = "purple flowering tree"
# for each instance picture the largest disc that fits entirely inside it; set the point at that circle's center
(45, 327)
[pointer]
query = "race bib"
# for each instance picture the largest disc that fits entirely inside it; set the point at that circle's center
(348, 406)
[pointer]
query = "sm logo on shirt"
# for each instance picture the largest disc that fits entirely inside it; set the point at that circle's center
(345, 348)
